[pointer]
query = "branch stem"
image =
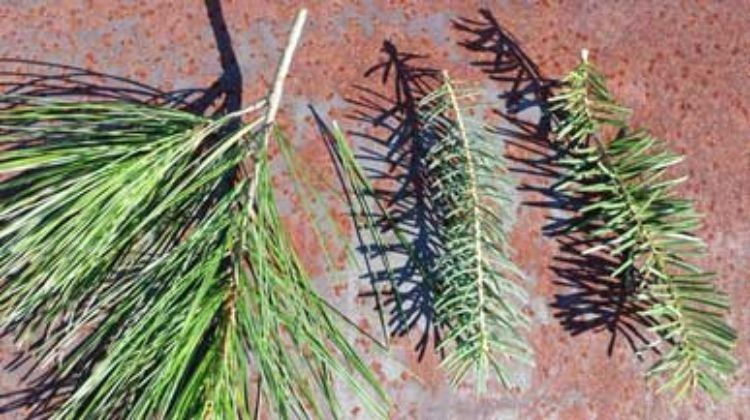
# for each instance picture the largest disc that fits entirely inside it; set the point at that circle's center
(476, 216)
(282, 71)
(274, 98)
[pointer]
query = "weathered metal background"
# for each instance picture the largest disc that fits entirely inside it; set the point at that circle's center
(683, 66)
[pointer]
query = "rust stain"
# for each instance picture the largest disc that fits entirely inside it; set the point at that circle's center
(683, 69)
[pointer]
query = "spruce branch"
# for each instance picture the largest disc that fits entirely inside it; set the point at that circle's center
(637, 217)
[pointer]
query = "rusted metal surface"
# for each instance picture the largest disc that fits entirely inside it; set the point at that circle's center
(683, 66)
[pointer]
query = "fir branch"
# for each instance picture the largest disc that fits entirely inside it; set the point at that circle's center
(638, 218)
(479, 330)
(168, 286)
(478, 300)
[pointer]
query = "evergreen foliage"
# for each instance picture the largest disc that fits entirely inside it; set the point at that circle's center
(479, 300)
(150, 239)
(638, 218)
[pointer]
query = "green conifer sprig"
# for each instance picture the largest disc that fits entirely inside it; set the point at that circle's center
(637, 217)
(478, 299)
(150, 239)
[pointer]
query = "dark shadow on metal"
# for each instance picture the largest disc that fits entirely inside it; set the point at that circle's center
(48, 387)
(590, 300)
(393, 156)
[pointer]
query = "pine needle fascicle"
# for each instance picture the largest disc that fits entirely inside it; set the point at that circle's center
(637, 218)
(142, 246)
(478, 298)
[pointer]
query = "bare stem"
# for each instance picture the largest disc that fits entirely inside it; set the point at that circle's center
(283, 69)
(274, 97)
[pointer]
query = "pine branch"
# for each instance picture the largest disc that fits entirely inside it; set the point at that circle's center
(167, 287)
(370, 215)
(478, 301)
(638, 218)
